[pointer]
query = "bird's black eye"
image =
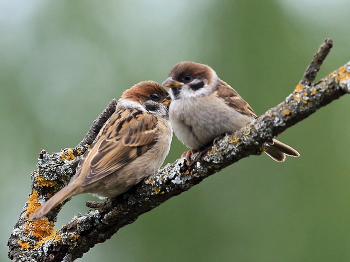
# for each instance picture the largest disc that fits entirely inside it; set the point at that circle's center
(155, 97)
(187, 78)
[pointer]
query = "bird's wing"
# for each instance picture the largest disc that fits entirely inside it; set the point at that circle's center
(125, 136)
(234, 100)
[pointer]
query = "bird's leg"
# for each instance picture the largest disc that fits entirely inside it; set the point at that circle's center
(188, 154)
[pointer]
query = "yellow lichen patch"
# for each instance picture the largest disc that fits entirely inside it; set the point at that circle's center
(296, 97)
(69, 155)
(304, 101)
(287, 112)
(157, 190)
(149, 181)
(314, 91)
(342, 74)
(58, 238)
(74, 238)
(41, 228)
(246, 132)
(79, 152)
(43, 182)
(24, 245)
(212, 150)
(298, 88)
(45, 239)
(234, 139)
(32, 203)
(346, 73)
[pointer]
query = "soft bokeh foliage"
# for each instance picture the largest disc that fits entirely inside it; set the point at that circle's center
(63, 61)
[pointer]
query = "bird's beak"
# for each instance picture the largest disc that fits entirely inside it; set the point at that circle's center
(171, 83)
(166, 101)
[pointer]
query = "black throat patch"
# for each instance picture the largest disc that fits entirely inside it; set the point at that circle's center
(176, 91)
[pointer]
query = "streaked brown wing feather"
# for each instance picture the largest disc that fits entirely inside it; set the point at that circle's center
(234, 100)
(131, 133)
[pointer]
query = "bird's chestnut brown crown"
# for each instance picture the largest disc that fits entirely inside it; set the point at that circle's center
(146, 90)
(186, 71)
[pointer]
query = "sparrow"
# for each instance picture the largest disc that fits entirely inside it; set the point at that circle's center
(130, 146)
(203, 107)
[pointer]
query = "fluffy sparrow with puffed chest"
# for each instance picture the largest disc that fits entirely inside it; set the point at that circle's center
(204, 107)
(130, 146)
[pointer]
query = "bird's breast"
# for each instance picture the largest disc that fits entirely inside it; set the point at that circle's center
(198, 121)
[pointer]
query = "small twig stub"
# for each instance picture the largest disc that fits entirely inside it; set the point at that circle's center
(317, 60)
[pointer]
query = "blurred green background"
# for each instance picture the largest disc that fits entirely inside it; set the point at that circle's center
(63, 61)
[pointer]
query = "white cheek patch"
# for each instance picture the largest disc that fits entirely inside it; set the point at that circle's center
(187, 92)
(131, 104)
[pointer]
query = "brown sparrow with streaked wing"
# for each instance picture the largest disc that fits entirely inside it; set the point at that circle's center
(203, 107)
(130, 146)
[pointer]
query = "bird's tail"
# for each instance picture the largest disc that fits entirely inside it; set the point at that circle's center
(278, 151)
(62, 195)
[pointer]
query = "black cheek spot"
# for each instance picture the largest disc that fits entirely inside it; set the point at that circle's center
(197, 86)
(151, 107)
(175, 91)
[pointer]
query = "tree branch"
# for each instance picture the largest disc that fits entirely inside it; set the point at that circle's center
(317, 60)
(37, 241)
